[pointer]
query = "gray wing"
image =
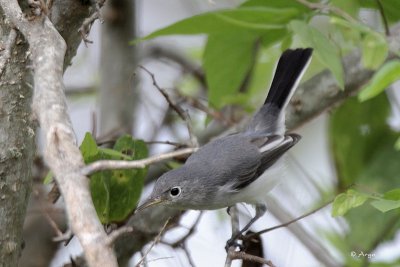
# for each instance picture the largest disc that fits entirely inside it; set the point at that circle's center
(238, 160)
(271, 149)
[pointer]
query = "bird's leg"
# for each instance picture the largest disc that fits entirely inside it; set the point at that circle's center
(228, 210)
(260, 211)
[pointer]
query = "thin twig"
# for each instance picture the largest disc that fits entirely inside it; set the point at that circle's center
(64, 237)
(291, 221)
(171, 103)
(114, 235)
(12, 36)
(329, 8)
(188, 255)
(240, 255)
(156, 240)
(101, 165)
(235, 229)
(49, 4)
(88, 22)
(215, 114)
(180, 111)
(178, 145)
(94, 124)
(181, 242)
(52, 223)
(193, 139)
(187, 65)
(183, 239)
(157, 259)
(384, 18)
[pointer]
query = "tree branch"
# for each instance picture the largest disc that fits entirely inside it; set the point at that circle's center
(6, 53)
(329, 8)
(60, 150)
(240, 255)
(233, 212)
(384, 19)
(187, 65)
(156, 240)
(181, 113)
(101, 165)
(289, 222)
(88, 22)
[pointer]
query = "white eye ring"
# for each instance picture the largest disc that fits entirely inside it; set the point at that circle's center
(175, 191)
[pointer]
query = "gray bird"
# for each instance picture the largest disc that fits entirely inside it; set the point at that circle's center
(241, 167)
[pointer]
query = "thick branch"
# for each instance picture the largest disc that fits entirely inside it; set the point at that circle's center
(6, 53)
(17, 139)
(60, 150)
(118, 95)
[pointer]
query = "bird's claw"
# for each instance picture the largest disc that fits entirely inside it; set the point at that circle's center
(233, 242)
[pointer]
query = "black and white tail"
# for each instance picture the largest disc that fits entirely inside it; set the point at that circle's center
(291, 67)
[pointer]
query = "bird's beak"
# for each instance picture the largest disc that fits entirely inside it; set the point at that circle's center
(148, 203)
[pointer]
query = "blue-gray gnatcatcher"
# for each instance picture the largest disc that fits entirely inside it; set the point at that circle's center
(241, 167)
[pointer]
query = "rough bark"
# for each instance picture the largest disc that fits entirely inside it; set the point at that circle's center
(67, 16)
(118, 62)
(17, 136)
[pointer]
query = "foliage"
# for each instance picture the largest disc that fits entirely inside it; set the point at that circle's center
(384, 77)
(362, 145)
(346, 201)
(234, 38)
(115, 193)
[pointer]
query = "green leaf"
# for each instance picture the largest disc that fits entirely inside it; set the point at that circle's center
(137, 149)
(350, 25)
(357, 130)
(385, 76)
(374, 50)
(385, 205)
(227, 61)
(392, 194)
(346, 201)
(390, 201)
(350, 6)
(281, 4)
(397, 144)
(391, 8)
(324, 50)
(48, 179)
(88, 147)
(362, 145)
(114, 153)
(115, 193)
(272, 37)
(235, 21)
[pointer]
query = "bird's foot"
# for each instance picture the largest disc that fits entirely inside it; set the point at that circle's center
(233, 242)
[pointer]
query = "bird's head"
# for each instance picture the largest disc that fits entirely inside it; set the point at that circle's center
(172, 189)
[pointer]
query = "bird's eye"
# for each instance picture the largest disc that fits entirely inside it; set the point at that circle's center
(175, 191)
